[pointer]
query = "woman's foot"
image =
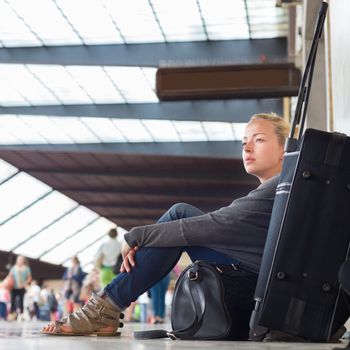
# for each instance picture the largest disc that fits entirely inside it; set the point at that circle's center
(97, 317)
(157, 320)
(65, 328)
(12, 316)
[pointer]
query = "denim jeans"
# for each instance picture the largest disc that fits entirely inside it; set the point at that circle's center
(152, 264)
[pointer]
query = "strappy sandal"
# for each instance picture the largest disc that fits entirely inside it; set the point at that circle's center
(97, 313)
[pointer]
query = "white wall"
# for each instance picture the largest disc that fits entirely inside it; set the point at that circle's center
(317, 108)
(338, 65)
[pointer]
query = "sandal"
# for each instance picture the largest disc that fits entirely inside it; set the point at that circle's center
(96, 314)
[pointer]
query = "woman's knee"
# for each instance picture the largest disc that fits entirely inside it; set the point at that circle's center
(179, 210)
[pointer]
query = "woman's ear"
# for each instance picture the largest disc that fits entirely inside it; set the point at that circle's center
(282, 154)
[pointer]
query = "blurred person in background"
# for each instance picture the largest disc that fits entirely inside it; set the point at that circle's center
(22, 277)
(33, 294)
(52, 304)
(91, 284)
(4, 300)
(158, 299)
(74, 277)
(107, 256)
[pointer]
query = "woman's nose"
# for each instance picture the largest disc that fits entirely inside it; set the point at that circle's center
(248, 148)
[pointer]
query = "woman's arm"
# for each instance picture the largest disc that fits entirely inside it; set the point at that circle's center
(29, 276)
(242, 222)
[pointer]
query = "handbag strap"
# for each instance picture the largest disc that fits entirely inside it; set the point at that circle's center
(199, 307)
(192, 328)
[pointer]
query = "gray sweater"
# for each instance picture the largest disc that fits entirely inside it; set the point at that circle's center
(238, 230)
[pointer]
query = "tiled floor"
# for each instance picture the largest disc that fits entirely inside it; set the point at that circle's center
(26, 336)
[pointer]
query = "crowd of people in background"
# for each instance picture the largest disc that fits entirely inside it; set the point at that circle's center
(23, 298)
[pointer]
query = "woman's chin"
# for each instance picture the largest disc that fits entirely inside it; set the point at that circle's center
(251, 171)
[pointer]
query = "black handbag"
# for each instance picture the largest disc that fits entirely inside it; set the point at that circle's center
(118, 264)
(206, 305)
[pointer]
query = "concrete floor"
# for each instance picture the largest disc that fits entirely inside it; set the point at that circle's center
(26, 336)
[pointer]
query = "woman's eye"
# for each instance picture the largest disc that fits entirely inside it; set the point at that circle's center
(259, 140)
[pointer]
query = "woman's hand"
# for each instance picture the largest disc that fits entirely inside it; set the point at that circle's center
(128, 254)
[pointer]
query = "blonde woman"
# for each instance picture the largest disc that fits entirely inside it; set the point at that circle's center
(234, 234)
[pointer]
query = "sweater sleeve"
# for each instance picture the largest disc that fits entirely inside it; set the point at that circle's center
(237, 224)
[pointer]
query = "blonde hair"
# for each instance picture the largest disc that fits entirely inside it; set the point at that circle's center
(282, 127)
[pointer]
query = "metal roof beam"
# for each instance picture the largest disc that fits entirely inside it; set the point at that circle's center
(237, 111)
(151, 54)
(179, 191)
(151, 207)
(216, 149)
(232, 176)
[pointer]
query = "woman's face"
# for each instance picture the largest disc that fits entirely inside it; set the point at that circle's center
(262, 152)
(20, 261)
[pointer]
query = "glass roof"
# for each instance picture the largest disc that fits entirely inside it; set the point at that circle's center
(23, 129)
(136, 21)
(30, 85)
(40, 222)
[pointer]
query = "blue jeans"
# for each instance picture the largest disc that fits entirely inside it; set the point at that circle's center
(152, 264)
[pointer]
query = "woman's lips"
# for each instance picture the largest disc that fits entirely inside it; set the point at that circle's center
(249, 160)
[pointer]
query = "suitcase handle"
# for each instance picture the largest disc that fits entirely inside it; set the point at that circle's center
(305, 85)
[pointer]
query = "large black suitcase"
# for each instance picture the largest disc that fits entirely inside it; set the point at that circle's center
(308, 239)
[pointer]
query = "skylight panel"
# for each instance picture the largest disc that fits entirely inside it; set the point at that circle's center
(8, 139)
(13, 31)
(272, 21)
(20, 130)
(133, 130)
(30, 221)
(57, 232)
(169, 13)
(20, 79)
(161, 130)
(96, 83)
(61, 83)
(222, 10)
(218, 131)
(135, 20)
(104, 128)
(87, 255)
(225, 19)
(261, 3)
(95, 25)
(266, 11)
(150, 75)
(47, 128)
(20, 191)
(190, 131)
(267, 34)
(10, 96)
(132, 83)
(72, 245)
(6, 170)
(238, 129)
(237, 29)
(46, 21)
(75, 129)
